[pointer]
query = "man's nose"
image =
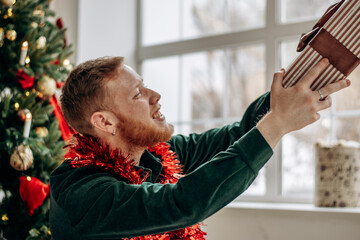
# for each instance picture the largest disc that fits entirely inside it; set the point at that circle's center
(154, 97)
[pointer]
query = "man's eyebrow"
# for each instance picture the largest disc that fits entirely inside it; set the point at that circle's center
(140, 83)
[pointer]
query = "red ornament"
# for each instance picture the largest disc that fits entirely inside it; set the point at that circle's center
(66, 131)
(25, 80)
(60, 25)
(33, 193)
(59, 84)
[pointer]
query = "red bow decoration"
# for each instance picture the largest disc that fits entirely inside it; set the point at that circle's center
(66, 131)
(25, 80)
(33, 193)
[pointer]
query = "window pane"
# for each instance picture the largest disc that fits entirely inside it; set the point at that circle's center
(206, 17)
(247, 78)
(245, 14)
(162, 75)
(203, 76)
(298, 157)
(302, 10)
(348, 99)
(202, 127)
(348, 128)
(184, 19)
(288, 52)
(160, 21)
(258, 187)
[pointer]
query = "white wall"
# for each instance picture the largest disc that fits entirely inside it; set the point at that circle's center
(67, 10)
(107, 27)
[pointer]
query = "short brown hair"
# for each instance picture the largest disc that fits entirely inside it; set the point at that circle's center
(84, 93)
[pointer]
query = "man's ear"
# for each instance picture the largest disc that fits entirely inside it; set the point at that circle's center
(103, 121)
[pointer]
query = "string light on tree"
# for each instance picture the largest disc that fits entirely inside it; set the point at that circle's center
(9, 13)
(67, 64)
(1, 36)
(27, 60)
(11, 34)
(22, 113)
(27, 124)
(16, 106)
(23, 54)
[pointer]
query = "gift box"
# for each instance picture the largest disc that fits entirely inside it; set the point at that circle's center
(335, 36)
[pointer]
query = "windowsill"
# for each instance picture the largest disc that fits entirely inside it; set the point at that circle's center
(292, 207)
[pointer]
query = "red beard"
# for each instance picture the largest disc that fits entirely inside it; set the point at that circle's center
(142, 135)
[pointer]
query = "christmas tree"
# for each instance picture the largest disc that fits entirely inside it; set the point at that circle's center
(33, 64)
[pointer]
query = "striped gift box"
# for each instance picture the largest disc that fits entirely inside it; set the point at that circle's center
(336, 36)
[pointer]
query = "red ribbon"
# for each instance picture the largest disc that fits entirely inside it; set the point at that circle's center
(25, 80)
(33, 193)
(66, 131)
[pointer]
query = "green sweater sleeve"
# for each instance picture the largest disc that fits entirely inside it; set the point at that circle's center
(196, 149)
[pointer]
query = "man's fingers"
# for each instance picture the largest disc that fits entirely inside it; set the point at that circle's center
(277, 80)
(334, 87)
(314, 72)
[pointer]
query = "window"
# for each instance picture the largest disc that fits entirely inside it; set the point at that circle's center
(210, 59)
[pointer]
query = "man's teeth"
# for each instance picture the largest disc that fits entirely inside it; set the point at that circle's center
(157, 115)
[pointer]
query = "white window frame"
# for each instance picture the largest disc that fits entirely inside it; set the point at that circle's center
(271, 35)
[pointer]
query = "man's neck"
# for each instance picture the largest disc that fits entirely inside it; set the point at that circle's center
(134, 152)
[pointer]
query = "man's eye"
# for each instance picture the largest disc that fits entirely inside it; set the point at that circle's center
(138, 95)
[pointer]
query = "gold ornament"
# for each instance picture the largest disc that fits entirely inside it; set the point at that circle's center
(38, 11)
(34, 24)
(1, 36)
(7, 3)
(47, 86)
(11, 35)
(41, 42)
(4, 217)
(42, 131)
(22, 158)
(22, 114)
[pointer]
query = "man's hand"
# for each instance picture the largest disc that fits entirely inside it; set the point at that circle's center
(296, 107)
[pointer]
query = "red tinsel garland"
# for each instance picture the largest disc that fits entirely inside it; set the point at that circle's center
(87, 151)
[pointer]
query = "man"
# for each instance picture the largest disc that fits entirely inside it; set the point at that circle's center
(120, 180)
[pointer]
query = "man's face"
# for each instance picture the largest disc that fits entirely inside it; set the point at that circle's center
(137, 109)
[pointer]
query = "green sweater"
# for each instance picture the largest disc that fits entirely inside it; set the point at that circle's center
(219, 164)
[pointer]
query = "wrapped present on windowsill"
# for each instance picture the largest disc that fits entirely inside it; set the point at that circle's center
(335, 36)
